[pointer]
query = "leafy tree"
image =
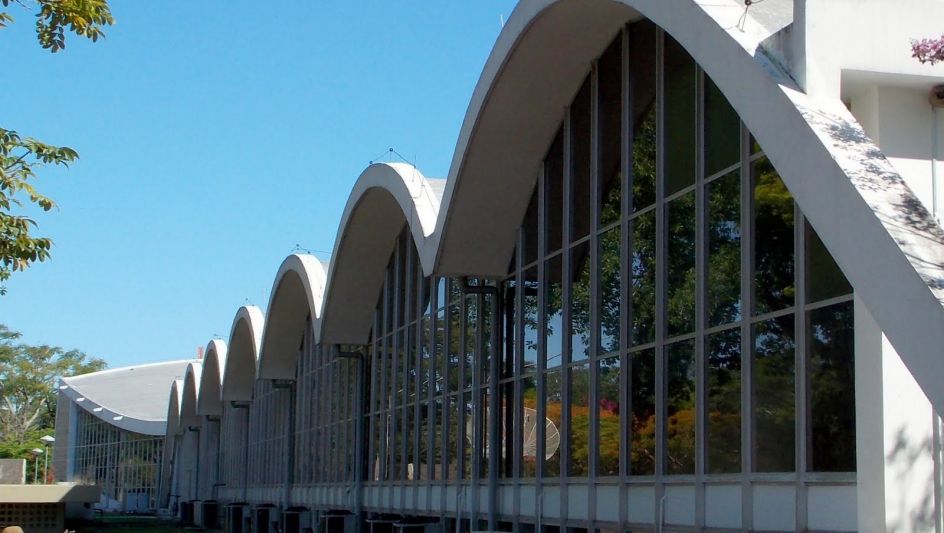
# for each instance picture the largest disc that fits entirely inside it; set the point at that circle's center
(54, 17)
(20, 157)
(28, 397)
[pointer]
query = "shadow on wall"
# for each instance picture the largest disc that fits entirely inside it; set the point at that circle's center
(895, 204)
(913, 461)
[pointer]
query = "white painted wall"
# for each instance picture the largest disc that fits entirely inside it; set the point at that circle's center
(902, 122)
(894, 438)
(868, 35)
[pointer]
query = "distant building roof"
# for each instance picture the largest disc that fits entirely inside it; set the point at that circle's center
(132, 397)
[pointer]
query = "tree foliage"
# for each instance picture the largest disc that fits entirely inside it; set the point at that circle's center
(20, 157)
(29, 375)
(53, 17)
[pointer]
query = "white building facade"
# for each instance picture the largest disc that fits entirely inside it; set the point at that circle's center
(685, 274)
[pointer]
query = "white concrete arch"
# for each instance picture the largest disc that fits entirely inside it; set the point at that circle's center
(209, 397)
(296, 294)
(385, 197)
(242, 356)
(168, 456)
(173, 407)
(839, 178)
(190, 396)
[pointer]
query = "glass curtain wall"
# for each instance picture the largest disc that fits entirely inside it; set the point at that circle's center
(429, 403)
(326, 420)
(234, 426)
(268, 424)
(123, 463)
(676, 315)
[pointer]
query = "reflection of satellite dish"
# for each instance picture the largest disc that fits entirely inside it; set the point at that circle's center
(530, 433)
(530, 430)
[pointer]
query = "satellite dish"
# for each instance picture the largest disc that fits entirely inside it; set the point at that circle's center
(529, 428)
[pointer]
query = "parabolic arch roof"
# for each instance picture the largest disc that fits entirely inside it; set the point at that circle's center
(466, 224)
(133, 398)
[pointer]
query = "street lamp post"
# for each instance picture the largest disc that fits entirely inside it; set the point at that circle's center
(36, 453)
(47, 440)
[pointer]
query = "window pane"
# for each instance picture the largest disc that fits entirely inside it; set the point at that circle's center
(723, 351)
(467, 427)
(482, 435)
(580, 143)
(680, 408)
(439, 361)
(553, 407)
(823, 278)
(642, 51)
(553, 313)
(644, 278)
(424, 290)
(485, 323)
(411, 366)
(579, 434)
(608, 411)
(440, 292)
(554, 195)
(530, 230)
(509, 355)
(426, 358)
(724, 250)
(680, 285)
(471, 323)
(530, 319)
(611, 109)
(610, 290)
(454, 357)
(679, 117)
(773, 240)
(831, 345)
(643, 398)
(452, 437)
(722, 131)
(529, 417)
(422, 446)
(437, 437)
(580, 303)
(773, 395)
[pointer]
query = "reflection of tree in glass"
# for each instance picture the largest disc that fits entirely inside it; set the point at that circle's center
(642, 393)
(579, 434)
(773, 243)
(644, 278)
(680, 268)
(680, 408)
(644, 158)
(724, 250)
(610, 290)
(832, 389)
(773, 395)
(580, 303)
(724, 402)
(553, 316)
(609, 416)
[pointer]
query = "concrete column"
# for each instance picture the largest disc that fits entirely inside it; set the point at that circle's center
(898, 488)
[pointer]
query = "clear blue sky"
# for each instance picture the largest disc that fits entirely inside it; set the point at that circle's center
(214, 137)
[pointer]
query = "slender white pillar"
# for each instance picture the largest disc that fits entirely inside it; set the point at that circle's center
(895, 443)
